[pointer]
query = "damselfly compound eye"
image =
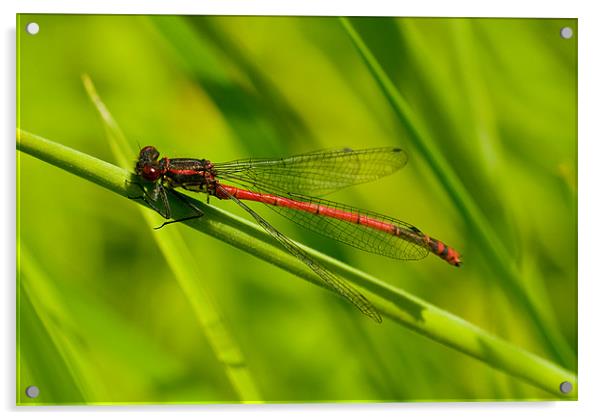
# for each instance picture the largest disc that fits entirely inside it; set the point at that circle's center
(149, 152)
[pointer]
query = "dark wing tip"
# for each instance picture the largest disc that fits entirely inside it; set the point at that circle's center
(401, 156)
(376, 317)
(372, 313)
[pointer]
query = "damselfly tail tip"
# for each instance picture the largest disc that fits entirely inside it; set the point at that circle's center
(456, 261)
(449, 254)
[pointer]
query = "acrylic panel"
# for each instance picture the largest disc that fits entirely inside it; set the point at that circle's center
(456, 281)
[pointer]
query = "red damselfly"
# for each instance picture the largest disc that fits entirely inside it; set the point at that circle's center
(284, 185)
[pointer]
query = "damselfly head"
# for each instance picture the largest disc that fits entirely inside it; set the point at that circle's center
(148, 153)
(147, 165)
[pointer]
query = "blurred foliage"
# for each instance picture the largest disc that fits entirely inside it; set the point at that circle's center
(102, 318)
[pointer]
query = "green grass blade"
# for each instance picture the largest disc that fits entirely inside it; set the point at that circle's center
(273, 105)
(45, 312)
(209, 69)
(187, 273)
(480, 105)
(76, 329)
(397, 305)
(488, 241)
(46, 369)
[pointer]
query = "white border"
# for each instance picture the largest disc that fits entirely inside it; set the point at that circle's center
(508, 8)
(590, 209)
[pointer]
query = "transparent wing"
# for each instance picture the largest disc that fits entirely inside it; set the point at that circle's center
(362, 229)
(407, 244)
(317, 173)
(331, 281)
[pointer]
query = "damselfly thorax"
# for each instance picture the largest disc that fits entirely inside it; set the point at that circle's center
(191, 174)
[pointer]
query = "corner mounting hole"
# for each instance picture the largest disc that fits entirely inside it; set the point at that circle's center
(32, 28)
(566, 32)
(32, 391)
(566, 387)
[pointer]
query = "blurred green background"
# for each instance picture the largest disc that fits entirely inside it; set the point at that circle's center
(100, 317)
